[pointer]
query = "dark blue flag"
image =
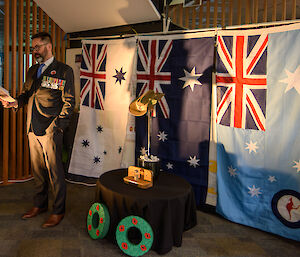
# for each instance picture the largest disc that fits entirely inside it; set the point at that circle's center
(181, 68)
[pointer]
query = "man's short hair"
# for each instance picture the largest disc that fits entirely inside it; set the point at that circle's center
(44, 36)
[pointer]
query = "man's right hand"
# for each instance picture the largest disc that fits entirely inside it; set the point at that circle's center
(9, 104)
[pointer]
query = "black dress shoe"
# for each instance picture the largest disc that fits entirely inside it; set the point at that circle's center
(34, 211)
(53, 220)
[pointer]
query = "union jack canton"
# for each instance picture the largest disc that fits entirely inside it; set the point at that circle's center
(92, 75)
(241, 81)
(150, 73)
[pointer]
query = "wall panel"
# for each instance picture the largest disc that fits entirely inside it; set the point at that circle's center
(222, 13)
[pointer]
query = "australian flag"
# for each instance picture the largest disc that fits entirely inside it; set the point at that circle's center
(181, 68)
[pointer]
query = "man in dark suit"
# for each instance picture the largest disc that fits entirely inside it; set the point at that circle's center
(49, 95)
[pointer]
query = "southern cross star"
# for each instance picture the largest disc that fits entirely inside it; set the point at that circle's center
(272, 179)
(99, 129)
(254, 191)
(169, 166)
(85, 143)
(162, 136)
(193, 161)
(231, 171)
(293, 80)
(297, 166)
(96, 159)
(251, 146)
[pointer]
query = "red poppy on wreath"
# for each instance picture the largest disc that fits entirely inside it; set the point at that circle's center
(143, 248)
(147, 235)
(101, 220)
(90, 227)
(53, 72)
(121, 228)
(97, 232)
(124, 246)
(97, 207)
(134, 221)
(90, 213)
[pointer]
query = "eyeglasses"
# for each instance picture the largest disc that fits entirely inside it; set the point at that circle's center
(37, 47)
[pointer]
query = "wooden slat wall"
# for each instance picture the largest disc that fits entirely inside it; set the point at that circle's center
(221, 13)
(6, 68)
(294, 6)
(58, 45)
(18, 29)
(53, 34)
(230, 12)
(239, 10)
(13, 122)
(265, 14)
(255, 11)
(47, 27)
(34, 21)
(41, 20)
(207, 13)
(274, 10)
(63, 47)
(215, 13)
(200, 17)
(27, 52)
(20, 120)
(283, 10)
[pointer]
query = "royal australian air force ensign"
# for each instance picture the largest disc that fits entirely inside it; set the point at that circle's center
(53, 83)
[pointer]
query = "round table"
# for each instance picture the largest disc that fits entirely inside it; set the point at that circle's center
(169, 206)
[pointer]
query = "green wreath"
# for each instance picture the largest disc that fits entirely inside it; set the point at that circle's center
(98, 221)
(122, 236)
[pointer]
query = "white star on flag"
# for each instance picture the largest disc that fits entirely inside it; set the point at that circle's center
(293, 80)
(272, 179)
(251, 146)
(193, 161)
(162, 136)
(297, 166)
(169, 166)
(191, 79)
(254, 191)
(231, 171)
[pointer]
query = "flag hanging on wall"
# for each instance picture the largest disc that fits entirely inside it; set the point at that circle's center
(180, 67)
(105, 81)
(258, 116)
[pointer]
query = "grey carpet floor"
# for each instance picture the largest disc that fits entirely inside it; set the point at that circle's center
(212, 237)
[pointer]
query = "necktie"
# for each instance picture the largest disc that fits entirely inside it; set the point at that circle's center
(39, 71)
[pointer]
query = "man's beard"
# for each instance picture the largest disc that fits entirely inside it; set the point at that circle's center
(41, 57)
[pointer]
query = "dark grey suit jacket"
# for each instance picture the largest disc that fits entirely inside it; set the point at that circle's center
(48, 109)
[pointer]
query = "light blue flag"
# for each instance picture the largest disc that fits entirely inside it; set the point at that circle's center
(259, 170)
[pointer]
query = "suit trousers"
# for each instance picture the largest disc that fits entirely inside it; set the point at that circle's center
(48, 171)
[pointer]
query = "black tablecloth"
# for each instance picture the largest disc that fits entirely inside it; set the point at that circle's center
(169, 206)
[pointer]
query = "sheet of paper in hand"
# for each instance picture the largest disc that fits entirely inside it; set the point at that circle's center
(4, 95)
